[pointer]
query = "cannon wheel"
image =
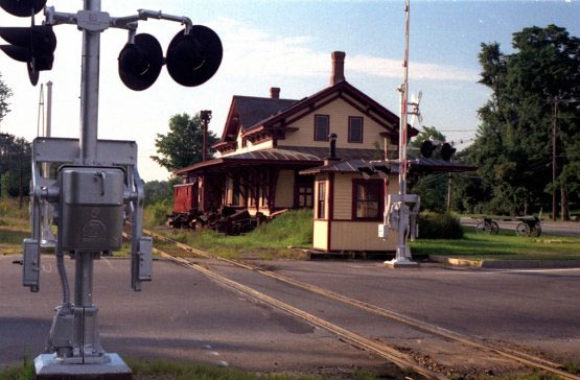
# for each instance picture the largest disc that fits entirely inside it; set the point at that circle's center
(522, 229)
(493, 227)
(536, 230)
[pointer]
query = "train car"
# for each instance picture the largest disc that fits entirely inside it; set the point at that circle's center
(185, 202)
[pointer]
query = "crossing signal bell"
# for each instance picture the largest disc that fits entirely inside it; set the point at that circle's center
(34, 45)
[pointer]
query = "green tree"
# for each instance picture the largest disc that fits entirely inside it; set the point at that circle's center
(513, 147)
(14, 165)
(5, 93)
(159, 191)
(183, 144)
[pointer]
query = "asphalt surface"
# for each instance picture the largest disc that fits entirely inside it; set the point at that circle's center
(537, 310)
(183, 315)
(548, 226)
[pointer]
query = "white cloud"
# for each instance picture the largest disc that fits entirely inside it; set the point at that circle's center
(255, 53)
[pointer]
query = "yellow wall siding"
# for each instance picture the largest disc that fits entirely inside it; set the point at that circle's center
(285, 189)
(342, 196)
(360, 236)
(339, 111)
(319, 235)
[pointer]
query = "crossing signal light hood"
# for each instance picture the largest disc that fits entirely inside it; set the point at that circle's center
(22, 8)
(140, 62)
(34, 45)
(194, 58)
(427, 148)
(446, 151)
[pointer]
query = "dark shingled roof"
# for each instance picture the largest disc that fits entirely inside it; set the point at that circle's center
(417, 165)
(252, 110)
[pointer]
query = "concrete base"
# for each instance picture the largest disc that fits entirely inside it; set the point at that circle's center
(49, 367)
(401, 264)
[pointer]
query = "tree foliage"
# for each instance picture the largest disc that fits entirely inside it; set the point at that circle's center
(183, 144)
(513, 146)
(5, 93)
(14, 165)
(159, 191)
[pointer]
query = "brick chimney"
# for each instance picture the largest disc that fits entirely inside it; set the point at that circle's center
(275, 92)
(337, 67)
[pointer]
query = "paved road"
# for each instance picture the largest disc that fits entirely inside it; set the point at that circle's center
(548, 226)
(184, 315)
(536, 309)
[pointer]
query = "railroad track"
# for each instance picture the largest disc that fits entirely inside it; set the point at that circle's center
(399, 358)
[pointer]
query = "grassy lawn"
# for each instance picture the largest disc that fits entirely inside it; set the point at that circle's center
(284, 237)
(172, 370)
(504, 246)
(168, 370)
(287, 235)
(14, 226)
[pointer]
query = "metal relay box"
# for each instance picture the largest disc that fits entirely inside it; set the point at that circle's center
(91, 216)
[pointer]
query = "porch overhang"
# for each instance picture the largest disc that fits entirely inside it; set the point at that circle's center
(265, 157)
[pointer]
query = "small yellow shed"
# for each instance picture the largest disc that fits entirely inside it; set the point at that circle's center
(348, 206)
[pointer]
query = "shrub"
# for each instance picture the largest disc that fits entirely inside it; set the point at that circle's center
(439, 226)
(156, 213)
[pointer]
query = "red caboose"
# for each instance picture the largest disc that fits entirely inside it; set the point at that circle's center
(185, 203)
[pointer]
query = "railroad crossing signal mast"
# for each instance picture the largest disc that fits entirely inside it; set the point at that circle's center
(97, 185)
(402, 208)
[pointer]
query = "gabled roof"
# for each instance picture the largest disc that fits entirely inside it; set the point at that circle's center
(246, 111)
(254, 114)
(340, 88)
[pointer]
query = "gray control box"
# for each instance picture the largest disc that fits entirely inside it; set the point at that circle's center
(91, 208)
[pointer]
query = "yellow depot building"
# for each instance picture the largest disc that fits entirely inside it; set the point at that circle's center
(272, 152)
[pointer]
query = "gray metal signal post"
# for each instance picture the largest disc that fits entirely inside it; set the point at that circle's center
(402, 208)
(96, 188)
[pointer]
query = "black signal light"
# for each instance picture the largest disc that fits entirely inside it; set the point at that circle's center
(34, 45)
(140, 62)
(194, 58)
(22, 8)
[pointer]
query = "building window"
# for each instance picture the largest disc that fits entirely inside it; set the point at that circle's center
(305, 196)
(367, 199)
(321, 211)
(321, 123)
(355, 129)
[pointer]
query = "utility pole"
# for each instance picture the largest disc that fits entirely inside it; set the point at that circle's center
(205, 118)
(448, 192)
(554, 168)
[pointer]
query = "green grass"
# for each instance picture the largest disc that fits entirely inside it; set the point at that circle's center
(14, 226)
(504, 246)
(284, 237)
(173, 370)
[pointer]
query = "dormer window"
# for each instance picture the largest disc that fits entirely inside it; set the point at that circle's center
(355, 129)
(321, 127)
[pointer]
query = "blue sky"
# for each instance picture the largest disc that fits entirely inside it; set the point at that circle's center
(286, 44)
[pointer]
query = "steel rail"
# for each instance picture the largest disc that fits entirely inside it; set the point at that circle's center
(397, 357)
(514, 355)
